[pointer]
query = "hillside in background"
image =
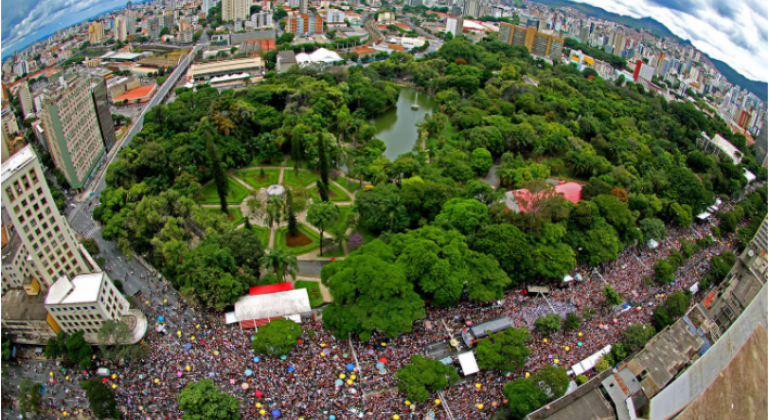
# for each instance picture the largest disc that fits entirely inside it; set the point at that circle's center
(758, 88)
(656, 28)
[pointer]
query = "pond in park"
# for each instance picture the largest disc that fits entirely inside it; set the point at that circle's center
(398, 126)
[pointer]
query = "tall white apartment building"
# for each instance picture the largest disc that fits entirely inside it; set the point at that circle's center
(120, 29)
(233, 10)
(47, 242)
(208, 4)
(335, 16)
(83, 303)
(25, 99)
(262, 20)
(72, 129)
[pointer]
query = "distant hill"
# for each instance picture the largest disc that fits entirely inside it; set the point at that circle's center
(650, 25)
(758, 88)
(658, 29)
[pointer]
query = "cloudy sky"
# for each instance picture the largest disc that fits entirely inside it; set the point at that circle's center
(733, 31)
(24, 21)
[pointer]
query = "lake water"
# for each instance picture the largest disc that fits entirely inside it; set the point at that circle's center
(398, 126)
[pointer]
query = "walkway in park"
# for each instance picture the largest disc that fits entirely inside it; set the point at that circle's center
(257, 218)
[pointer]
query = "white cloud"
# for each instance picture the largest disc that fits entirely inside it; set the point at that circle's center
(728, 30)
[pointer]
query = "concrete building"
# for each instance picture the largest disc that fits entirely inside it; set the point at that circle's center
(72, 130)
(285, 60)
(25, 99)
(235, 9)
(454, 25)
(540, 44)
(10, 126)
(208, 4)
(120, 30)
(202, 72)
(25, 317)
(742, 284)
(262, 20)
(46, 238)
(102, 104)
(130, 18)
(95, 33)
(84, 303)
(335, 16)
(153, 25)
(472, 8)
(303, 6)
(168, 20)
(304, 25)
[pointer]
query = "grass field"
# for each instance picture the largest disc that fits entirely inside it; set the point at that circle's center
(315, 296)
(339, 195)
(301, 178)
(351, 186)
(280, 240)
(235, 214)
(253, 178)
(208, 195)
(263, 233)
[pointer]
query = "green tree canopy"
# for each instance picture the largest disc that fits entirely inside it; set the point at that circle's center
(276, 338)
(505, 350)
(423, 376)
(101, 399)
(204, 401)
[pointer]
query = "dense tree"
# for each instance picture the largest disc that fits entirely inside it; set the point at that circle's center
(510, 247)
(571, 321)
(524, 396)
(612, 297)
(218, 173)
(30, 397)
(101, 399)
(467, 216)
(381, 209)
(553, 381)
(481, 161)
(322, 215)
(548, 323)
(276, 338)
(203, 400)
(423, 376)
(636, 335)
(371, 293)
(505, 350)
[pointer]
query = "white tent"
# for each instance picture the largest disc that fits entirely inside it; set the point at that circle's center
(321, 55)
(652, 243)
(588, 363)
(468, 363)
(568, 278)
(273, 305)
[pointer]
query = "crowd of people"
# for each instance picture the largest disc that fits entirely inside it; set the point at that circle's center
(313, 381)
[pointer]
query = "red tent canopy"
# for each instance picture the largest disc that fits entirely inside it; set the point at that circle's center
(271, 288)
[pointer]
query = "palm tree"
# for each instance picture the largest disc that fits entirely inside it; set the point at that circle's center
(173, 251)
(279, 261)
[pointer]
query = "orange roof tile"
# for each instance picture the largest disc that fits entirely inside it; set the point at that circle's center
(137, 93)
(396, 47)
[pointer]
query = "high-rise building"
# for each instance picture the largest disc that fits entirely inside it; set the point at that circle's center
(72, 130)
(472, 8)
(303, 25)
(265, 19)
(454, 25)
(235, 9)
(168, 20)
(538, 43)
(619, 43)
(208, 4)
(25, 99)
(335, 16)
(303, 7)
(102, 104)
(95, 33)
(130, 18)
(8, 119)
(84, 303)
(120, 28)
(46, 239)
(584, 34)
(153, 26)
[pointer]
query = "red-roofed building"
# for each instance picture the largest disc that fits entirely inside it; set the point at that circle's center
(140, 94)
(396, 47)
(363, 51)
(571, 191)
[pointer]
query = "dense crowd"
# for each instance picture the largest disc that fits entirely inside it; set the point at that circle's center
(203, 346)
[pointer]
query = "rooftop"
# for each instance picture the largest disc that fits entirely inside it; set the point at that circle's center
(273, 305)
(19, 160)
(83, 288)
(140, 92)
(17, 305)
(11, 247)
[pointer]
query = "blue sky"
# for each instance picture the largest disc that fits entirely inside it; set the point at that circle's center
(733, 31)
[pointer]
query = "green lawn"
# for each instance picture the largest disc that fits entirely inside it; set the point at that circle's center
(315, 296)
(255, 180)
(344, 211)
(208, 195)
(300, 178)
(263, 233)
(280, 240)
(235, 214)
(350, 185)
(339, 197)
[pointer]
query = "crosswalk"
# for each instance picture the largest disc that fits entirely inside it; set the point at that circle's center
(90, 233)
(72, 211)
